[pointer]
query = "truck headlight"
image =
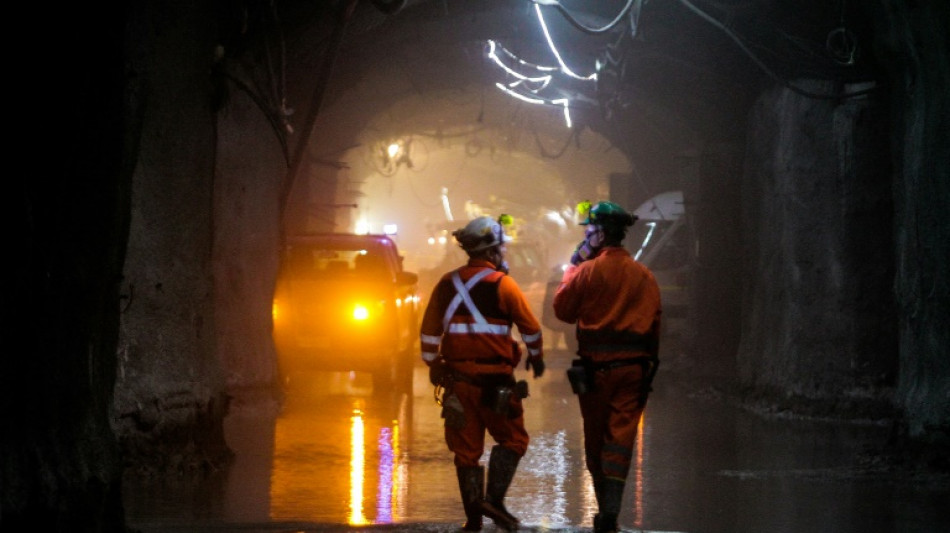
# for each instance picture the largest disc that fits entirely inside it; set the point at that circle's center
(360, 312)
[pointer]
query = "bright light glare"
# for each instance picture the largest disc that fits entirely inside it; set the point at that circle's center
(431, 240)
(543, 81)
(556, 217)
(356, 469)
(392, 150)
(646, 240)
(362, 227)
(547, 35)
(360, 312)
(538, 101)
(389, 229)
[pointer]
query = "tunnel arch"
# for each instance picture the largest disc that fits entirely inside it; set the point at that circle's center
(478, 146)
(145, 94)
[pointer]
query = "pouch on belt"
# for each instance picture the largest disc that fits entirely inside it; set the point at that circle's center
(580, 377)
(453, 412)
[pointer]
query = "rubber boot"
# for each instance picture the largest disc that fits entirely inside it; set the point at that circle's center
(471, 486)
(502, 464)
(611, 498)
(598, 482)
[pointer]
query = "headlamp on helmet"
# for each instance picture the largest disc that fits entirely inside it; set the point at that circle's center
(607, 215)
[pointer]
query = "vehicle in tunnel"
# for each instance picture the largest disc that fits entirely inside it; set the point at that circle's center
(660, 240)
(344, 303)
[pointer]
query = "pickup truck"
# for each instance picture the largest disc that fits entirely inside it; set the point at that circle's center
(343, 303)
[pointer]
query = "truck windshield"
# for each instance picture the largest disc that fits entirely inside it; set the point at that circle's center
(332, 263)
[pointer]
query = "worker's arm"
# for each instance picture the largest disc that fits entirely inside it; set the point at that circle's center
(568, 296)
(431, 330)
(512, 301)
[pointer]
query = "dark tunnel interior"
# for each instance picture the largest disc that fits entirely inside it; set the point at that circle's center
(788, 163)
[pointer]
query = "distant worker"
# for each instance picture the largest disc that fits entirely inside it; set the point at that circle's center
(466, 342)
(557, 329)
(615, 302)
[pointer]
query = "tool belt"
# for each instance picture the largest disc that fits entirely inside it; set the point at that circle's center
(581, 373)
(498, 360)
(497, 389)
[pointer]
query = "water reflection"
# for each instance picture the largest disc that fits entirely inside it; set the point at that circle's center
(542, 481)
(339, 456)
(638, 477)
(356, 469)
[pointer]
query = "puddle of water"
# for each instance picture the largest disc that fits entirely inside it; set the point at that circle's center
(338, 454)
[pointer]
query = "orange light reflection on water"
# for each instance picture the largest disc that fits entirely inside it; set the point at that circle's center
(357, 462)
(638, 474)
(389, 482)
(340, 462)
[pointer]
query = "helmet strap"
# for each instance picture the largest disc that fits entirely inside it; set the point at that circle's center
(495, 255)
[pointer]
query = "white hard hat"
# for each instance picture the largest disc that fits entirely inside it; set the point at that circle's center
(480, 234)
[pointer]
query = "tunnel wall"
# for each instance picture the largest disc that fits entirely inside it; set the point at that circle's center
(913, 47)
(66, 223)
(246, 240)
(169, 391)
(819, 325)
(715, 284)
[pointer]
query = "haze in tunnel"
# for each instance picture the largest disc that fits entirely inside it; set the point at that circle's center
(508, 158)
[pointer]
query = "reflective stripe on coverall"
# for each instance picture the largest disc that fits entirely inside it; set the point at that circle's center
(615, 302)
(468, 320)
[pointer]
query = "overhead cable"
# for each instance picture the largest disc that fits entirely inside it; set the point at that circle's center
(586, 29)
(765, 68)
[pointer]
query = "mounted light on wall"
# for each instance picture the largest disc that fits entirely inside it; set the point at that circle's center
(390, 155)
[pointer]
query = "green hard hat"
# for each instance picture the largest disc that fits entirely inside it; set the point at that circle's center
(608, 214)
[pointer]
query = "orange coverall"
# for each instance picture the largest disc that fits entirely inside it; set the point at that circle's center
(615, 302)
(478, 349)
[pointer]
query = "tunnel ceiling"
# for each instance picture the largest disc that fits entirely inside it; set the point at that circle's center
(694, 65)
(677, 71)
(685, 77)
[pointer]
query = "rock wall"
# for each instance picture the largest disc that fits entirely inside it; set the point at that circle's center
(67, 225)
(169, 391)
(246, 240)
(819, 327)
(912, 44)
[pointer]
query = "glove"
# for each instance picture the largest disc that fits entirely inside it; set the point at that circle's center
(587, 248)
(535, 364)
(437, 372)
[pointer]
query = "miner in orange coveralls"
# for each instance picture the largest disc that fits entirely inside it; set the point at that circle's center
(615, 302)
(466, 342)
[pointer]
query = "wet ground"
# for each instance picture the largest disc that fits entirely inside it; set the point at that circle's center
(335, 456)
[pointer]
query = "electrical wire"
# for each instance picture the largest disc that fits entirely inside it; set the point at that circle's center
(765, 68)
(586, 29)
(547, 35)
(544, 152)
